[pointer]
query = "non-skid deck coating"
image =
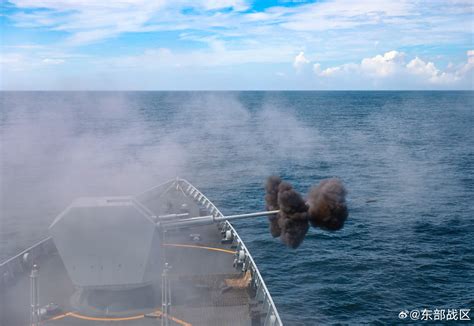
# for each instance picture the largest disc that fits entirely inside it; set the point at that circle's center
(199, 265)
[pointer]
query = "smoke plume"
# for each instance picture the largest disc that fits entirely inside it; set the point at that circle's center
(271, 199)
(293, 220)
(327, 205)
(326, 208)
(291, 223)
(291, 203)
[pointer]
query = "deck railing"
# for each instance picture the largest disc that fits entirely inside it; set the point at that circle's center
(21, 263)
(243, 256)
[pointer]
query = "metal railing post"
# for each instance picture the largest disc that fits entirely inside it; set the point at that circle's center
(34, 298)
(165, 296)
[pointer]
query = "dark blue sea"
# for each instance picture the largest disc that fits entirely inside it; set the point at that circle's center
(406, 158)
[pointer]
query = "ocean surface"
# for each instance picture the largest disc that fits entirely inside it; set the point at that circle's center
(406, 158)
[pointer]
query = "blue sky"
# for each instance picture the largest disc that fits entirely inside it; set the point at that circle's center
(236, 44)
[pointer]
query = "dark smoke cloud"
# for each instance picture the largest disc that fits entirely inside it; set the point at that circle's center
(271, 196)
(327, 205)
(291, 203)
(271, 199)
(326, 208)
(292, 219)
(292, 231)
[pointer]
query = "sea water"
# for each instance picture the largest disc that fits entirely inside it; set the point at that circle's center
(406, 158)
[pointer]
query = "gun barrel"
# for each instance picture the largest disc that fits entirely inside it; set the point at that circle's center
(210, 219)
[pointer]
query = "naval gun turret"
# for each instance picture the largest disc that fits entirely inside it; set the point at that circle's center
(106, 242)
(113, 242)
(112, 247)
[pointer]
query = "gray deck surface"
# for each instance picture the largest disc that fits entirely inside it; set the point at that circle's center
(197, 274)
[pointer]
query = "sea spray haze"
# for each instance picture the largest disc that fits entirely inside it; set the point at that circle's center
(57, 146)
(406, 159)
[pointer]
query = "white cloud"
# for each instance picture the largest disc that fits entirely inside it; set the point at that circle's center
(347, 68)
(28, 61)
(379, 66)
(419, 67)
(317, 68)
(470, 56)
(232, 32)
(430, 72)
(300, 61)
(383, 65)
(12, 62)
(87, 21)
(10, 58)
(219, 56)
(351, 27)
(91, 36)
(468, 68)
(52, 61)
(344, 14)
(220, 4)
(391, 67)
(26, 46)
(330, 71)
(90, 21)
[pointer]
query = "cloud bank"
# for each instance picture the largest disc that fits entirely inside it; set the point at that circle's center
(394, 66)
(232, 44)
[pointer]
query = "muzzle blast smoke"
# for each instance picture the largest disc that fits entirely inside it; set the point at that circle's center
(325, 208)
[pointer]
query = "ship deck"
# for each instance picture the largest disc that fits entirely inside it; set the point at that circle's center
(205, 287)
